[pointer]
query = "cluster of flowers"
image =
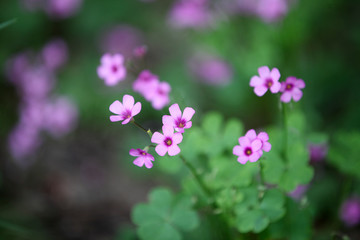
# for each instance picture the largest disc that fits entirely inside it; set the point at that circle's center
(251, 146)
(200, 14)
(269, 80)
(58, 9)
(112, 70)
(167, 141)
(34, 78)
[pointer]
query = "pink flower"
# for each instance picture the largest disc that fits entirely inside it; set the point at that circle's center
(112, 69)
(262, 136)
(55, 54)
(140, 51)
(143, 157)
(190, 14)
(250, 148)
(145, 84)
(211, 70)
(177, 120)
(350, 211)
(159, 95)
(271, 10)
(121, 39)
(291, 89)
(60, 117)
(318, 152)
(167, 142)
(62, 8)
(267, 80)
(125, 110)
(298, 192)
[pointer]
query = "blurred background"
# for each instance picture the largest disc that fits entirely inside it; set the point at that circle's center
(65, 171)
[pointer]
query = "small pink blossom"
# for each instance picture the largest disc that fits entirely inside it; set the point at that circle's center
(179, 121)
(121, 39)
(112, 69)
(126, 110)
(62, 8)
(60, 116)
(143, 158)
(140, 51)
(298, 192)
(159, 95)
(267, 80)
(262, 136)
(291, 89)
(190, 14)
(350, 211)
(318, 152)
(271, 10)
(167, 142)
(250, 148)
(145, 84)
(55, 54)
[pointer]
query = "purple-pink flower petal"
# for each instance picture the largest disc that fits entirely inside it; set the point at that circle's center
(157, 138)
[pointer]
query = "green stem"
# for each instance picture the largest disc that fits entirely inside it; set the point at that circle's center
(197, 177)
(261, 187)
(142, 128)
(285, 128)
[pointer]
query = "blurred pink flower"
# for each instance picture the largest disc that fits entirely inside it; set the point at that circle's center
(350, 212)
(271, 10)
(140, 51)
(145, 84)
(298, 192)
(112, 69)
(17, 66)
(37, 83)
(62, 8)
(159, 96)
(55, 54)
(190, 14)
(143, 158)
(60, 117)
(126, 110)
(179, 121)
(248, 150)
(318, 152)
(291, 89)
(167, 142)
(23, 141)
(267, 80)
(121, 39)
(211, 70)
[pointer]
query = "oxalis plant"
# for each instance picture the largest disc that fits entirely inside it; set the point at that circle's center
(238, 180)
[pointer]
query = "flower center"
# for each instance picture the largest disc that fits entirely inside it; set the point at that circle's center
(143, 153)
(269, 82)
(114, 68)
(168, 141)
(181, 123)
(248, 151)
(126, 114)
(289, 86)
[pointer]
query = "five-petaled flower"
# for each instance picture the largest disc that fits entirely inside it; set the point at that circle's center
(179, 121)
(126, 110)
(266, 80)
(143, 158)
(167, 142)
(291, 89)
(112, 69)
(159, 95)
(145, 84)
(251, 147)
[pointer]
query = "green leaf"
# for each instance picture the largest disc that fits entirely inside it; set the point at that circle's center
(233, 130)
(158, 231)
(273, 167)
(345, 151)
(164, 216)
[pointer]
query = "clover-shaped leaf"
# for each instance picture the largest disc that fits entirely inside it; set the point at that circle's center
(165, 216)
(345, 151)
(255, 213)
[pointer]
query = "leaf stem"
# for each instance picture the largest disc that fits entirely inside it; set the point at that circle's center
(285, 128)
(197, 177)
(142, 128)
